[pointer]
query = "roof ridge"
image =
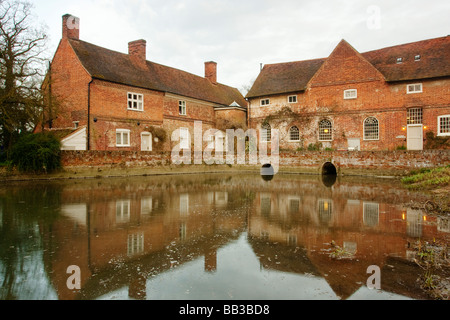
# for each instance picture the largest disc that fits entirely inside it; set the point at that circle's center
(147, 61)
(406, 44)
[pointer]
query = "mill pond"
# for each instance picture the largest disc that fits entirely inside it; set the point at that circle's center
(214, 236)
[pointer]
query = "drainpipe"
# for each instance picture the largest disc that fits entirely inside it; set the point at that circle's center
(89, 116)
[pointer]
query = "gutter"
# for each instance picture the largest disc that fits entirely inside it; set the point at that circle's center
(89, 116)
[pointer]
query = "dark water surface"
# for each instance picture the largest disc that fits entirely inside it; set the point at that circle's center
(216, 236)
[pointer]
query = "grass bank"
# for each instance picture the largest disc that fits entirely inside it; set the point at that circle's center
(427, 179)
(435, 181)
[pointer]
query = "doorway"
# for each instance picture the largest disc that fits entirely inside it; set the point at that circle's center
(146, 141)
(414, 137)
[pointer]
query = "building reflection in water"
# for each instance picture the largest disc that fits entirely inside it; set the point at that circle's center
(122, 233)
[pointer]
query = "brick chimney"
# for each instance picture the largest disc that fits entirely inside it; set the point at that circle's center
(137, 50)
(70, 27)
(211, 71)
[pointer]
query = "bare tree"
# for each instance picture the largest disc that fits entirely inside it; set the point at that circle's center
(21, 70)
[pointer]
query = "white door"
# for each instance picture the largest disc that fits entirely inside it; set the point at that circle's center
(414, 137)
(146, 141)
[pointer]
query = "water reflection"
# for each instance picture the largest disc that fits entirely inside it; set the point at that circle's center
(209, 237)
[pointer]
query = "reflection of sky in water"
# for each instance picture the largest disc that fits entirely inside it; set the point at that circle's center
(126, 234)
(239, 276)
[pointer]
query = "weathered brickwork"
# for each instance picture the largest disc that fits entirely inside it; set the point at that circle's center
(311, 161)
(127, 103)
(376, 96)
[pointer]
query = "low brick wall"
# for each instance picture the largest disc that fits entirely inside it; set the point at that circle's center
(311, 160)
(113, 158)
(396, 160)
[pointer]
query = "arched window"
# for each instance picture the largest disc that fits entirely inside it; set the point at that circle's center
(266, 132)
(325, 130)
(294, 134)
(371, 129)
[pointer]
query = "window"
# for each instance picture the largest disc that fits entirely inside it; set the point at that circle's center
(292, 99)
(350, 94)
(265, 102)
(182, 107)
(122, 211)
(122, 138)
(266, 132)
(325, 128)
(325, 210)
(414, 88)
(444, 125)
(371, 214)
(135, 243)
(294, 134)
(371, 129)
(414, 116)
(399, 60)
(184, 138)
(417, 57)
(135, 101)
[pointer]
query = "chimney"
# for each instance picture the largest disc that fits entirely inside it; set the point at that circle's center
(211, 71)
(137, 49)
(70, 27)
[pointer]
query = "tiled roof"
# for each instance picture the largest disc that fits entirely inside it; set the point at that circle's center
(284, 77)
(117, 67)
(434, 62)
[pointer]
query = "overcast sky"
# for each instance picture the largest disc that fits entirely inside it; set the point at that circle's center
(241, 34)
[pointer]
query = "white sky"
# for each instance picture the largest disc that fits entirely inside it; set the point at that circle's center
(241, 34)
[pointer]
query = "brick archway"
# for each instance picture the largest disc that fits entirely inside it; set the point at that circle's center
(328, 168)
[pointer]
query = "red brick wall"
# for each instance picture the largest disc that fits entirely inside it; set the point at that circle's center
(324, 98)
(69, 86)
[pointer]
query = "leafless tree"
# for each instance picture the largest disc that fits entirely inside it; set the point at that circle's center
(22, 67)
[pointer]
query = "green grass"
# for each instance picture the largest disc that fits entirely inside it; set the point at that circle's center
(428, 178)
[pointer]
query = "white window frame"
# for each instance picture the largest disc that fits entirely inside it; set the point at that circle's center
(264, 102)
(439, 133)
(136, 100)
(122, 132)
(266, 133)
(182, 107)
(377, 130)
(292, 99)
(350, 94)
(413, 86)
(298, 130)
(320, 138)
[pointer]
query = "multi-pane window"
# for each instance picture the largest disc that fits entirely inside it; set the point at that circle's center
(294, 134)
(135, 243)
(350, 94)
(265, 102)
(266, 132)
(414, 88)
(135, 101)
(371, 129)
(122, 138)
(414, 116)
(292, 99)
(325, 130)
(444, 125)
(182, 107)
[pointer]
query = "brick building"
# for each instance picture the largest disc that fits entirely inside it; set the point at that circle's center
(378, 100)
(107, 100)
